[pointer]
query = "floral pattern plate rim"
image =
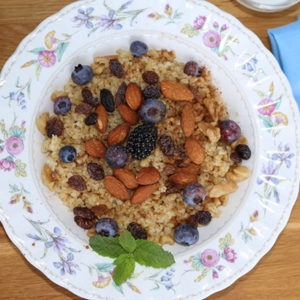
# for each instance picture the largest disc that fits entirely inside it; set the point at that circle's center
(205, 269)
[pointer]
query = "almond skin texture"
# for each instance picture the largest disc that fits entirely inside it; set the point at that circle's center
(182, 178)
(190, 169)
(143, 193)
(129, 115)
(188, 120)
(194, 151)
(116, 188)
(127, 177)
(102, 118)
(95, 148)
(133, 96)
(176, 91)
(118, 135)
(148, 175)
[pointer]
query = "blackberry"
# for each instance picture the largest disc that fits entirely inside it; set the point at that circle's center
(137, 231)
(142, 141)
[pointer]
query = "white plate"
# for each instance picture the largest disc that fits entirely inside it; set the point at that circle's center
(257, 94)
(269, 6)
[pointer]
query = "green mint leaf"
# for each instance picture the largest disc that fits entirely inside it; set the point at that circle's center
(106, 246)
(127, 241)
(125, 265)
(153, 255)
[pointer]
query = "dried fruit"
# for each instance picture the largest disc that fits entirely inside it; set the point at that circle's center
(95, 171)
(116, 67)
(148, 175)
(127, 177)
(203, 217)
(83, 223)
(179, 153)
(191, 169)
(54, 126)
(173, 188)
(77, 183)
(143, 193)
(137, 231)
(169, 169)
(130, 116)
(95, 148)
(150, 77)
(102, 118)
(107, 100)
(91, 119)
(166, 145)
(99, 210)
(118, 135)
(83, 212)
(116, 188)
(176, 91)
(195, 151)
(120, 95)
(188, 120)
(235, 157)
(88, 97)
(83, 108)
(151, 91)
(182, 178)
(192, 220)
(133, 96)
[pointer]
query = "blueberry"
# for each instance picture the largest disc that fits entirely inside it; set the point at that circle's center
(151, 91)
(230, 131)
(67, 154)
(191, 68)
(62, 105)
(82, 74)
(186, 234)
(138, 48)
(203, 217)
(116, 156)
(243, 151)
(152, 111)
(194, 194)
(107, 227)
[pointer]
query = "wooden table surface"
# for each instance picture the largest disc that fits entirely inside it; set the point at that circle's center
(276, 276)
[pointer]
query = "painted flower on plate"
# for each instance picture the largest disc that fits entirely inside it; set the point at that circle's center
(199, 22)
(7, 165)
(84, 17)
(283, 155)
(47, 58)
(210, 258)
(102, 282)
(50, 39)
(230, 254)
(266, 107)
(14, 145)
(211, 39)
(269, 174)
(66, 265)
(280, 118)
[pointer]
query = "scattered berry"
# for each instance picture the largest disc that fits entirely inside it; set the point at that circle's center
(83, 212)
(67, 154)
(179, 153)
(192, 220)
(142, 141)
(107, 227)
(83, 222)
(95, 171)
(191, 68)
(173, 188)
(203, 217)
(138, 48)
(54, 126)
(116, 156)
(91, 119)
(151, 91)
(137, 231)
(243, 151)
(150, 77)
(166, 145)
(107, 100)
(82, 74)
(152, 111)
(88, 97)
(116, 68)
(186, 234)
(194, 194)
(235, 157)
(230, 131)
(62, 105)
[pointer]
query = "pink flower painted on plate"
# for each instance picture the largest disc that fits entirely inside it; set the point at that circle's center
(224, 27)
(14, 145)
(266, 107)
(1, 149)
(47, 58)
(7, 165)
(210, 258)
(23, 123)
(216, 25)
(230, 254)
(102, 282)
(215, 275)
(199, 22)
(211, 39)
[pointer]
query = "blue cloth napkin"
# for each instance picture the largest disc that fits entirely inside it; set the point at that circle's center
(285, 43)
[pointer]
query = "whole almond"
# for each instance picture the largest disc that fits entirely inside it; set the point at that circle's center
(95, 148)
(129, 115)
(188, 120)
(118, 134)
(190, 169)
(133, 96)
(127, 177)
(176, 91)
(148, 175)
(143, 193)
(194, 151)
(116, 188)
(182, 178)
(102, 118)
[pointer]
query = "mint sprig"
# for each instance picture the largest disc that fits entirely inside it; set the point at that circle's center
(126, 251)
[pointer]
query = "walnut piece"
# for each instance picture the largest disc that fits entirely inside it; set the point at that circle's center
(209, 130)
(238, 174)
(41, 122)
(48, 178)
(222, 188)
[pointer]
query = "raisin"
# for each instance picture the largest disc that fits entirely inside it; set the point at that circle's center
(120, 95)
(173, 188)
(91, 119)
(83, 223)
(116, 68)
(166, 145)
(235, 157)
(83, 212)
(192, 220)
(77, 183)
(107, 100)
(179, 153)
(54, 126)
(100, 210)
(150, 77)
(95, 171)
(151, 91)
(169, 169)
(83, 108)
(137, 231)
(88, 97)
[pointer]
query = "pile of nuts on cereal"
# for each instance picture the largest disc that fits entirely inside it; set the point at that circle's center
(142, 142)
